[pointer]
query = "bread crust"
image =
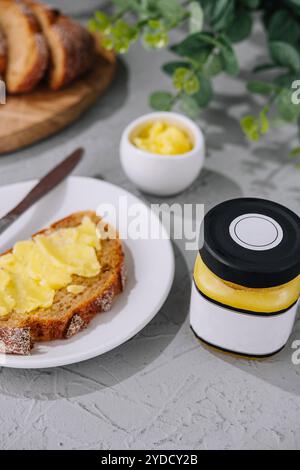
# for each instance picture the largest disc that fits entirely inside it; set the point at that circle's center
(16, 341)
(71, 46)
(37, 327)
(3, 54)
(17, 18)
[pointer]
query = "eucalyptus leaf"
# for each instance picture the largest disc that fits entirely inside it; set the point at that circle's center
(229, 58)
(190, 106)
(282, 26)
(213, 65)
(202, 56)
(196, 46)
(179, 77)
(264, 121)
(250, 127)
(161, 100)
(295, 3)
(207, 6)
(261, 88)
(205, 93)
(285, 54)
(192, 85)
(171, 10)
(170, 67)
(241, 27)
(286, 109)
(222, 14)
(263, 67)
(286, 80)
(203, 39)
(196, 17)
(252, 4)
(128, 4)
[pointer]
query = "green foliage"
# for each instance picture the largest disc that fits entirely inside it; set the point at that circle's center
(241, 26)
(196, 46)
(196, 20)
(261, 88)
(161, 101)
(284, 27)
(254, 127)
(263, 120)
(179, 77)
(250, 127)
(171, 67)
(127, 4)
(285, 55)
(286, 109)
(205, 93)
(170, 10)
(101, 22)
(228, 56)
(208, 50)
(186, 80)
(295, 152)
(222, 14)
(252, 4)
(213, 65)
(190, 107)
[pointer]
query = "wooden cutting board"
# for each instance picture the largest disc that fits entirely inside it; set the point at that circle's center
(26, 119)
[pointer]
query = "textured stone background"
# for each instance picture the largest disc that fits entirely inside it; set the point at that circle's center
(162, 389)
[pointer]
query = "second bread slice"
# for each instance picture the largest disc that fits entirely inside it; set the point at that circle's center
(71, 46)
(27, 50)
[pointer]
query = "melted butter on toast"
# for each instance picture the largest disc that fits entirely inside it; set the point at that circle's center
(35, 269)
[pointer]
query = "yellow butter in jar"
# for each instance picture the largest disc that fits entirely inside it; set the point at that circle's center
(162, 138)
(264, 300)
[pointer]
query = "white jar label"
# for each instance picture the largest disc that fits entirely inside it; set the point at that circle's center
(256, 232)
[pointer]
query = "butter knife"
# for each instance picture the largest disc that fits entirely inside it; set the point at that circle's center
(46, 184)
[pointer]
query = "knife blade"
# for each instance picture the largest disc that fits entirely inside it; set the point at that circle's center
(45, 185)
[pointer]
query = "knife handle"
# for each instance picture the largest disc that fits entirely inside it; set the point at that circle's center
(48, 182)
(45, 185)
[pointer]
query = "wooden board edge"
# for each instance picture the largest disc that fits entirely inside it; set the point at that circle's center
(20, 139)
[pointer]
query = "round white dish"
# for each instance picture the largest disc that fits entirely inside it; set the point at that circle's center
(149, 262)
(162, 175)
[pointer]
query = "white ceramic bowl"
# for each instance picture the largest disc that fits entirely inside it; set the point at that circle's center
(162, 175)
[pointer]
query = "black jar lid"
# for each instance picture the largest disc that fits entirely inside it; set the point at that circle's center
(252, 242)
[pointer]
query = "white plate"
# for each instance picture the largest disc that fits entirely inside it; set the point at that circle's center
(149, 262)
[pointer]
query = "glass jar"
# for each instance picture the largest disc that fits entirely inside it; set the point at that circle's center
(247, 277)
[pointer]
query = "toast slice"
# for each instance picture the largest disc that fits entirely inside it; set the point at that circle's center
(27, 49)
(70, 312)
(3, 54)
(71, 46)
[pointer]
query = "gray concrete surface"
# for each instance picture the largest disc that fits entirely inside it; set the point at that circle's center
(162, 389)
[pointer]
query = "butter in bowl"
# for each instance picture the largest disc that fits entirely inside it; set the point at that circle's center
(162, 153)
